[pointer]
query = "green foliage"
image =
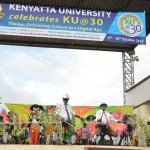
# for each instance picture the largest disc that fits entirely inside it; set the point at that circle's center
(144, 127)
(134, 122)
(50, 123)
(15, 129)
(141, 125)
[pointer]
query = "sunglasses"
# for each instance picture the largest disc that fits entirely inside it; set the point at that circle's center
(65, 99)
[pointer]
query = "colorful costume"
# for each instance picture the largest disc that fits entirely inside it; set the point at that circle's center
(34, 128)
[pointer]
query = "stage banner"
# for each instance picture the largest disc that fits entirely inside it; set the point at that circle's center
(67, 23)
(35, 124)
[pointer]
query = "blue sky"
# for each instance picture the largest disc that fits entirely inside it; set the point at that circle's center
(42, 75)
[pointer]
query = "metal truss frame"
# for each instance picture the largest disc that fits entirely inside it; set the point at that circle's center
(128, 71)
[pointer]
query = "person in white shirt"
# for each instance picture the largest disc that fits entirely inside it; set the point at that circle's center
(4, 109)
(103, 119)
(64, 111)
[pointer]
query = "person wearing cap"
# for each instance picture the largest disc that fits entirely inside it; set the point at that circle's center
(64, 111)
(103, 119)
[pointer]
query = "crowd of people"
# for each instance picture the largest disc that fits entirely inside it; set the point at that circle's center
(36, 133)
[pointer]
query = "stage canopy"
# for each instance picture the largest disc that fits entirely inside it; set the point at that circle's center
(107, 5)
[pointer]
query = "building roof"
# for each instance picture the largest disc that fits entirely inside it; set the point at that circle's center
(137, 84)
(106, 5)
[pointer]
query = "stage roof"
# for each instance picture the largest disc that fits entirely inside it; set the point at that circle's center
(106, 5)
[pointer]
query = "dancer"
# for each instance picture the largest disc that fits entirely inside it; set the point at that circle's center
(64, 111)
(103, 119)
(34, 128)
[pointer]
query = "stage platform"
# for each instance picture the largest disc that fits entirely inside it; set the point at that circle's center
(69, 147)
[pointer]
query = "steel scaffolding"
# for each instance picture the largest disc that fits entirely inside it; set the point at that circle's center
(128, 71)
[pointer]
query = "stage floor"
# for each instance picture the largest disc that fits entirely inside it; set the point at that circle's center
(68, 147)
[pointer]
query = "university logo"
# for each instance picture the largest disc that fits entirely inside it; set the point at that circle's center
(130, 25)
(1, 13)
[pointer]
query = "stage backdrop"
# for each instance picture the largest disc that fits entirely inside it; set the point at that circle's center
(23, 112)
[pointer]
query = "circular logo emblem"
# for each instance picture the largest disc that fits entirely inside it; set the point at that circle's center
(130, 25)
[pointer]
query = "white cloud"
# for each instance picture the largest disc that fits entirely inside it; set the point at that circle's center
(142, 67)
(96, 79)
(41, 75)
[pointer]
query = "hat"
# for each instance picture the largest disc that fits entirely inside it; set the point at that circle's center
(103, 104)
(65, 96)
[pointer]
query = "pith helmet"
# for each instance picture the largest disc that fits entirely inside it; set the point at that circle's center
(103, 104)
(65, 96)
